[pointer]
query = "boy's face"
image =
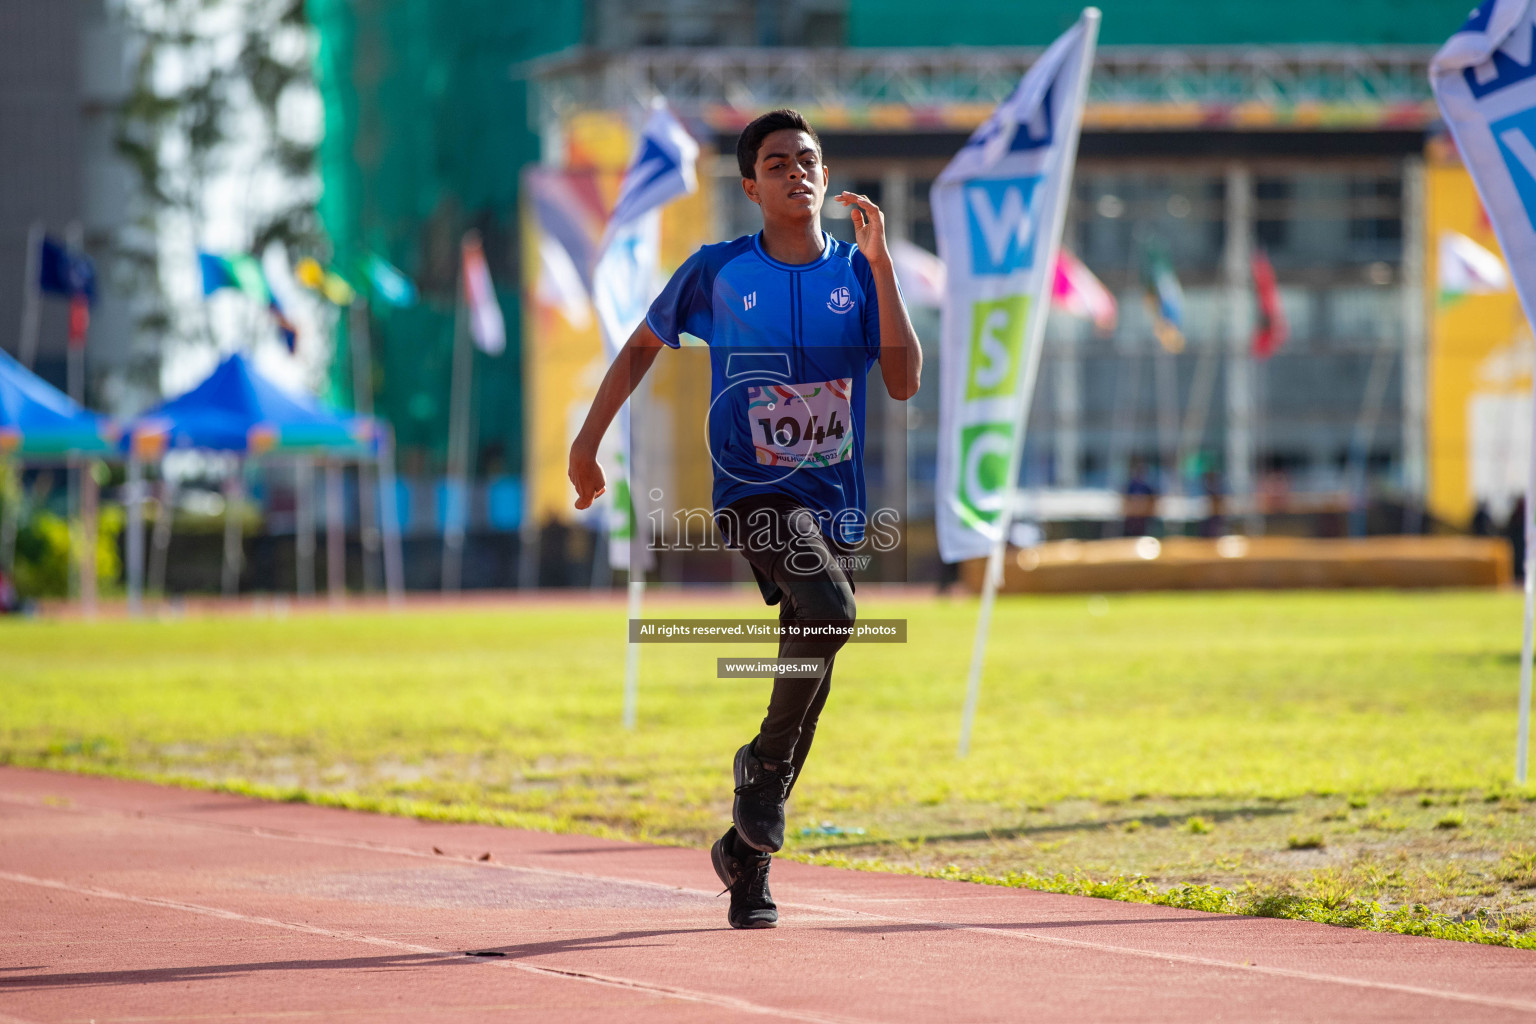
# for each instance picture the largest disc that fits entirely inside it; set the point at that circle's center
(791, 179)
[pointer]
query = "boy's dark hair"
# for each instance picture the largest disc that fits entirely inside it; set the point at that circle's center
(752, 136)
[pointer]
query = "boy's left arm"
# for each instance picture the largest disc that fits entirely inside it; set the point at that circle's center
(901, 355)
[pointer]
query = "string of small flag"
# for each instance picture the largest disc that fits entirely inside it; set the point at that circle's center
(1077, 292)
(385, 284)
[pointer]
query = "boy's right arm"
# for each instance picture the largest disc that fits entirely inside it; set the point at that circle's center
(628, 369)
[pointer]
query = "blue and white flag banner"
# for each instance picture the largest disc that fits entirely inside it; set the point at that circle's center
(627, 277)
(998, 210)
(1484, 79)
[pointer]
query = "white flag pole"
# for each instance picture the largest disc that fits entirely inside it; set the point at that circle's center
(461, 381)
(133, 498)
(632, 655)
(1033, 340)
(637, 563)
(389, 516)
(234, 530)
(1523, 741)
(656, 178)
(359, 342)
(31, 296)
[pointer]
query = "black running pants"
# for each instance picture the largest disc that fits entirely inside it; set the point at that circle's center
(797, 567)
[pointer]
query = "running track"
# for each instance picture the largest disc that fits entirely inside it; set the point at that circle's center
(123, 901)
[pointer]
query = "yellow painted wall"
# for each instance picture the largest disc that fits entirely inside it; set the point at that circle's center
(1479, 352)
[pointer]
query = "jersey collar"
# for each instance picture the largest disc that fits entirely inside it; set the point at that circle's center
(826, 254)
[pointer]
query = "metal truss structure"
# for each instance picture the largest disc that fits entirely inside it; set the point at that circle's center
(750, 80)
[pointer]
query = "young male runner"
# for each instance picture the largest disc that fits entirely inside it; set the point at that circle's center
(794, 320)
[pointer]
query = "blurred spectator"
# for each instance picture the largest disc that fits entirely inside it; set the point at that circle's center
(1514, 529)
(1215, 522)
(554, 554)
(1140, 502)
(10, 601)
(1274, 492)
(1482, 521)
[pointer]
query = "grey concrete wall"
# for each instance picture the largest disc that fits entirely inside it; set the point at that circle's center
(64, 67)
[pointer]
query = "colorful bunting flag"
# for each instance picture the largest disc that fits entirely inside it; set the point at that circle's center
(1078, 292)
(309, 273)
(486, 325)
(1272, 330)
(919, 272)
(243, 272)
(390, 285)
(559, 283)
(1165, 298)
(1467, 268)
(63, 271)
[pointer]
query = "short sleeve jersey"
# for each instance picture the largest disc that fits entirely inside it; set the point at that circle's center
(791, 346)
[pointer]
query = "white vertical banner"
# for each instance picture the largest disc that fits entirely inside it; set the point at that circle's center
(1484, 79)
(998, 210)
(627, 277)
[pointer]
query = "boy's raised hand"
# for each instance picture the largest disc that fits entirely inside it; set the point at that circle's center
(868, 226)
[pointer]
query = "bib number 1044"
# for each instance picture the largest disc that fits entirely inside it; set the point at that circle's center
(802, 424)
(786, 432)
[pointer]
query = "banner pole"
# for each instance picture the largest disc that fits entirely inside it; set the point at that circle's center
(1034, 340)
(994, 573)
(26, 352)
(394, 563)
(134, 541)
(73, 521)
(234, 529)
(1523, 740)
(457, 512)
(360, 342)
(160, 540)
(304, 525)
(638, 560)
(632, 655)
(335, 535)
(10, 513)
(90, 519)
(74, 382)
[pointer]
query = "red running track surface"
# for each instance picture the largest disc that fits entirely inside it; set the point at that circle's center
(126, 901)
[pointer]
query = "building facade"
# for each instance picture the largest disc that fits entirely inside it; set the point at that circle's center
(1215, 131)
(65, 67)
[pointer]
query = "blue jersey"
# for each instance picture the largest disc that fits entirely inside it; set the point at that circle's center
(791, 346)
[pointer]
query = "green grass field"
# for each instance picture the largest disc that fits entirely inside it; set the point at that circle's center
(1340, 756)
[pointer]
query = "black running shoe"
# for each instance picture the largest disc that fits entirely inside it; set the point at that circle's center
(761, 789)
(745, 877)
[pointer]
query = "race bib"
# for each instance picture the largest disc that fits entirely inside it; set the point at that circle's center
(802, 424)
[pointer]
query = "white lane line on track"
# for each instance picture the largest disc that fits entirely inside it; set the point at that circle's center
(287, 835)
(843, 913)
(690, 995)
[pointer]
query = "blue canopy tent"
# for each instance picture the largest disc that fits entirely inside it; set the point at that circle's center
(38, 422)
(237, 410)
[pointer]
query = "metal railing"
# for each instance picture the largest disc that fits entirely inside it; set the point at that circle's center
(750, 80)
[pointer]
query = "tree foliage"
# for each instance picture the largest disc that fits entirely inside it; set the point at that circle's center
(214, 89)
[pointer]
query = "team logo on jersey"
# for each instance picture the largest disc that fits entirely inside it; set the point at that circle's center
(841, 300)
(749, 300)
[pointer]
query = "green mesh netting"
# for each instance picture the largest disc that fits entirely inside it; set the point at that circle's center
(1156, 22)
(426, 129)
